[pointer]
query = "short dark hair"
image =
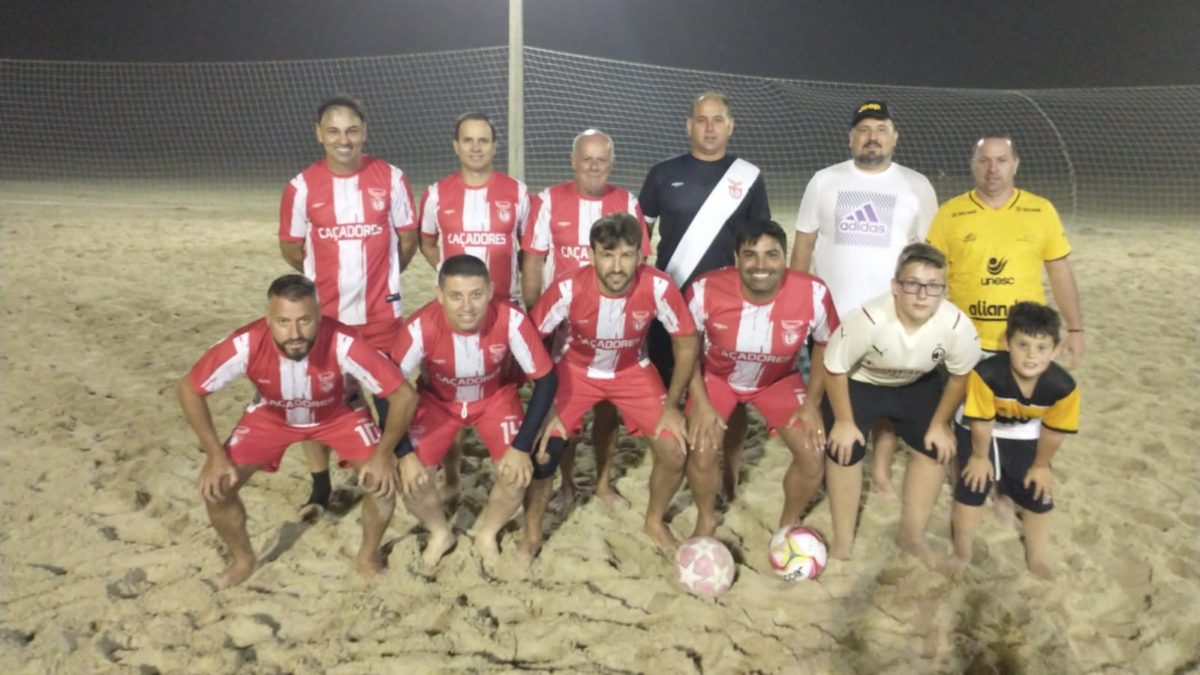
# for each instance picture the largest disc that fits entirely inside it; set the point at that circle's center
(341, 101)
(998, 136)
(920, 252)
(1033, 319)
(615, 228)
(478, 116)
(749, 234)
(293, 287)
(462, 265)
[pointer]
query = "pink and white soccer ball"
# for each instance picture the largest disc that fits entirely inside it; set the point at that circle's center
(704, 566)
(798, 553)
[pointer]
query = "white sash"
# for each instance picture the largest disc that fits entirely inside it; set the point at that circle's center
(720, 204)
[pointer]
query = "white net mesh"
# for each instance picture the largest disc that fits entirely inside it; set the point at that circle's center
(69, 127)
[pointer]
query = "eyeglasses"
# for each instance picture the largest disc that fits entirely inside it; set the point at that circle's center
(911, 286)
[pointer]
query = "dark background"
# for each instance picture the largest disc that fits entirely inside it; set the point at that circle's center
(1016, 44)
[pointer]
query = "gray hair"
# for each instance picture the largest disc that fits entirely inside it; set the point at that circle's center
(589, 133)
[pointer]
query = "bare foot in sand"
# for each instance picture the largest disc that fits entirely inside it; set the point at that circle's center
(237, 572)
(488, 549)
(563, 500)
(953, 567)
(919, 549)
(529, 549)
(370, 564)
(439, 545)
(612, 499)
(1041, 569)
(662, 537)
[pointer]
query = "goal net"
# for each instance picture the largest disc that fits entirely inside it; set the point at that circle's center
(211, 133)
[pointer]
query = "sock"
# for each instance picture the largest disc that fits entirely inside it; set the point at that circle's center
(321, 489)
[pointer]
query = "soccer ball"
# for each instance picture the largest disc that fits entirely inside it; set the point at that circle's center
(704, 566)
(797, 553)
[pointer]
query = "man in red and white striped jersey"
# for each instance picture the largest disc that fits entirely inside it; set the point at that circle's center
(299, 364)
(348, 223)
(466, 345)
(558, 237)
(607, 309)
(477, 211)
(557, 242)
(756, 316)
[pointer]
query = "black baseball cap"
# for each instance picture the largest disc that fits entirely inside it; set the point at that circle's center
(876, 110)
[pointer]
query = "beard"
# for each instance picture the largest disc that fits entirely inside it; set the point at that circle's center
(867, 160)
(283, 347)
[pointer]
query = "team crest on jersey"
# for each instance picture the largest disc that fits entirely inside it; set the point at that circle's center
(327, 380)
(938, 354)
(497, 352)
(416, 431)
(735, 188)
(791, 331)
(504, 211)
(640, 318)
(377, 198)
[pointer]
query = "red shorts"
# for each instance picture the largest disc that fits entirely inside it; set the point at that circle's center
(262, 438)
(776, 403)
(496, 418)
(636, 391)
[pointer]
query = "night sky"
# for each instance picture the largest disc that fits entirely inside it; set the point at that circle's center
(1019, 44)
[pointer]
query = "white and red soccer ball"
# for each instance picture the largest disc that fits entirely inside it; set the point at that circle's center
(797, 553)
(704, 566)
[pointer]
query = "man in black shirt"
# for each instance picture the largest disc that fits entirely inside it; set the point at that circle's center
(697, 201)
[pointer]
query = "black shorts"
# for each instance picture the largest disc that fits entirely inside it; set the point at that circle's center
(658, 349)
(1016, 457)
(909, 407)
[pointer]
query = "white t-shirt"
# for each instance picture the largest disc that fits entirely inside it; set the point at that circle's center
(874, 347)
(863, 221)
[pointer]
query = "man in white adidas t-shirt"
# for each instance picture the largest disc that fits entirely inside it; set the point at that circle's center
(854, 219)
(881, 363)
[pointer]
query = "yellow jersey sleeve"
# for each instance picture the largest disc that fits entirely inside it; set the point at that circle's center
(1056, 245)
(1064, 414)
(981, 400)
(936, 237)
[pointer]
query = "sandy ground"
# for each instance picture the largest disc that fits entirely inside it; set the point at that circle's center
(109, 559)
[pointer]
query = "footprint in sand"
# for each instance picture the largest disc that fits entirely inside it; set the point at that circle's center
(1158, 520)
(1149, 377)
(1182, 567)
(1087, 534)
(130, 586)
(1154, 448)
(1129, 573)
(1134, 465)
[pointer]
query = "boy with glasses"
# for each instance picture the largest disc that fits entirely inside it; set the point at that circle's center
(882, 363)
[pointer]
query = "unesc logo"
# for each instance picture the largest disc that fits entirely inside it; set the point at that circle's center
(995, 266)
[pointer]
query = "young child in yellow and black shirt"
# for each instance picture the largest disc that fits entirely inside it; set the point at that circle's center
(1019, 406)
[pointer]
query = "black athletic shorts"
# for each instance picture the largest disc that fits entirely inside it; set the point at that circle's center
(909, 407)
(1016, 457)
